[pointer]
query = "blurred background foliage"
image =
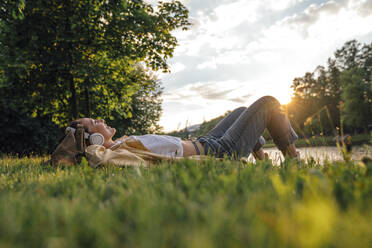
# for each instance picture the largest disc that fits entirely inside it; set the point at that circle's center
(65, 59)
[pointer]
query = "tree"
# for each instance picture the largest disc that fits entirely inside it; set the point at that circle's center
(348, 56)
(145, 107)
(357, 98)
(63, 57)
(311, 94)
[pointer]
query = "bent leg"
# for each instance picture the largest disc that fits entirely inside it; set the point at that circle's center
(240, 139)
(222, 126)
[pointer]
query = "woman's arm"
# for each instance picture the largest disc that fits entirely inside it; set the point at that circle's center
(121, 138)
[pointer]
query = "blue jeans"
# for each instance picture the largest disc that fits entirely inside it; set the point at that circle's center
(239, 133)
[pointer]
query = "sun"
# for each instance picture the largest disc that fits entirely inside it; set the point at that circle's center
(284, 98)
(283, 95)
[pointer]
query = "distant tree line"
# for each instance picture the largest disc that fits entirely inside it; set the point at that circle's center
(66, 59)
(335, 96)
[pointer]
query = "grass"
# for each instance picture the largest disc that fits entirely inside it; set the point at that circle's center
(186, 204)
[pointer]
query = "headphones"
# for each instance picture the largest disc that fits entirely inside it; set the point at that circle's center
(94, 139)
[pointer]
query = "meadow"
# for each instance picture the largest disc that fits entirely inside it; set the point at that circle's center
(186, 204)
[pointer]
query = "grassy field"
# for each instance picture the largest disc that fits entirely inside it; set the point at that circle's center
(186, 204)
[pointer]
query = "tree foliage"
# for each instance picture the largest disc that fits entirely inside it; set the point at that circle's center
(146, 107)
(63, 55)
(315, 106)
(357, 98)
(22, 135)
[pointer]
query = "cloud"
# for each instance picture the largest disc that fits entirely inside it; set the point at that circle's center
(227, 16)
(250, 47)
(319, 29)
(210, 91)
(212, 64)
(224, 58)
(225, 25)
(177, 67)
(241, 100)
(203, 92)
(312, 14)
(364, 8)
(315, 13)
(280, 4)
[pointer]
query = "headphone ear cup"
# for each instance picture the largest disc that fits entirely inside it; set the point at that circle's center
(96, 139)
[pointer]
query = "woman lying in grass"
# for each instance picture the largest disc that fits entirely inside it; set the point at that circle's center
(236, 136)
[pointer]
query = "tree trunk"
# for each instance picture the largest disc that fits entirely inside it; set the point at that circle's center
(70, 62)
(87, 102)
(73, 100)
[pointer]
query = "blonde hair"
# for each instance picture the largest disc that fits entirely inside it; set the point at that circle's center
(75, 123)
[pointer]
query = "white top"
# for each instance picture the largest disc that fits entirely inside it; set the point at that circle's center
(162, 144)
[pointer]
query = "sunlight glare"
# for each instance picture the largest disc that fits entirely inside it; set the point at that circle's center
(284, 98)
(283, 95)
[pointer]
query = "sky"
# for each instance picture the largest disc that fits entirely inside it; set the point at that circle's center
(239, 50)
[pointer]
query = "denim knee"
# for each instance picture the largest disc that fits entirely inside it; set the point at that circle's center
(240, 109)
(269, 100)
